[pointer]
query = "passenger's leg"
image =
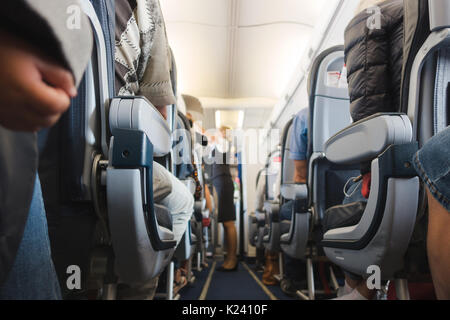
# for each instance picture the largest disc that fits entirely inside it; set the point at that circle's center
(271, 268)
(438, 247)
(294, 277)
(432, 164)
(33, 275)
(355, 289)
(231, 240)
(260, 259)
(180, 203)
(286, 211)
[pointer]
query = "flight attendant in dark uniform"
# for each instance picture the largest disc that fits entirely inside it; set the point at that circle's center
(223, 183)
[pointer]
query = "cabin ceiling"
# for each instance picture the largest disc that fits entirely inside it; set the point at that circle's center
(238, 49)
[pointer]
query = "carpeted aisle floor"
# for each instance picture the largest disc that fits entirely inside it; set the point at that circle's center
(244, 284)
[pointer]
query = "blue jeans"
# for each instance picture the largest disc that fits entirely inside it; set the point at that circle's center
(33, 275)
(432, 164)
(286, 211)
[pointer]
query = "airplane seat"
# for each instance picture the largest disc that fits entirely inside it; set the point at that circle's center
(183, 153)
(116, 140)
(293, 241)
(389, 141)
(272, 232)
(257, 219)
(201, 212)
(328, 113)
(258, 229)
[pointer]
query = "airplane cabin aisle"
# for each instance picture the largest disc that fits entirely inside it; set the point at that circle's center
(243, 284)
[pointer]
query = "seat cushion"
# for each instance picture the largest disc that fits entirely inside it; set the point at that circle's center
(345, 215)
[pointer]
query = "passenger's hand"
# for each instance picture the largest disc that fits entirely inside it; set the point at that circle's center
(163, 111)
(34, 91)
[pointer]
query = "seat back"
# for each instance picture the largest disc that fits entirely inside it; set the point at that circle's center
(329, 112)
(273, 168)
(257, 219)
(183, 153)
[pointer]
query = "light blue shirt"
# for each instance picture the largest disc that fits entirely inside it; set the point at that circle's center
(299, 139)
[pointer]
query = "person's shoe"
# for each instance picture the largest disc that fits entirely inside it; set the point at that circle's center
(271, 269)
(290, 287)
(222, 269)
(342, 291)
(259, 267)
(287, 287)
(353, 295)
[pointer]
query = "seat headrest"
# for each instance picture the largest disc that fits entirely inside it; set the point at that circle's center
(329, 109)
(313, 74)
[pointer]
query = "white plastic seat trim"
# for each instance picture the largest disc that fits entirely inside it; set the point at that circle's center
(292, 191)
(366, 139)
(139, 114)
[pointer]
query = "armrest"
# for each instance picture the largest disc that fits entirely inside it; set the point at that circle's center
(394, 192)
(294, 191)
(138, 113)
(131, 150)
(366, 139)
(273, 210)
(260, 215)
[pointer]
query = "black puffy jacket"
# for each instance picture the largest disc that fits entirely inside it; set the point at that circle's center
(374, 58)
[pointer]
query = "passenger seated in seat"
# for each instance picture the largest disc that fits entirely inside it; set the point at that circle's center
(295, 269)
(432, 164)
(143, 68)
(142, 62)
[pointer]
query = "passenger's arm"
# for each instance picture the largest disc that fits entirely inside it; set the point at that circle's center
(155, 83)
(41, 61)
(300, 171)
(162, 110)
(35, 90)
(63, 35)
